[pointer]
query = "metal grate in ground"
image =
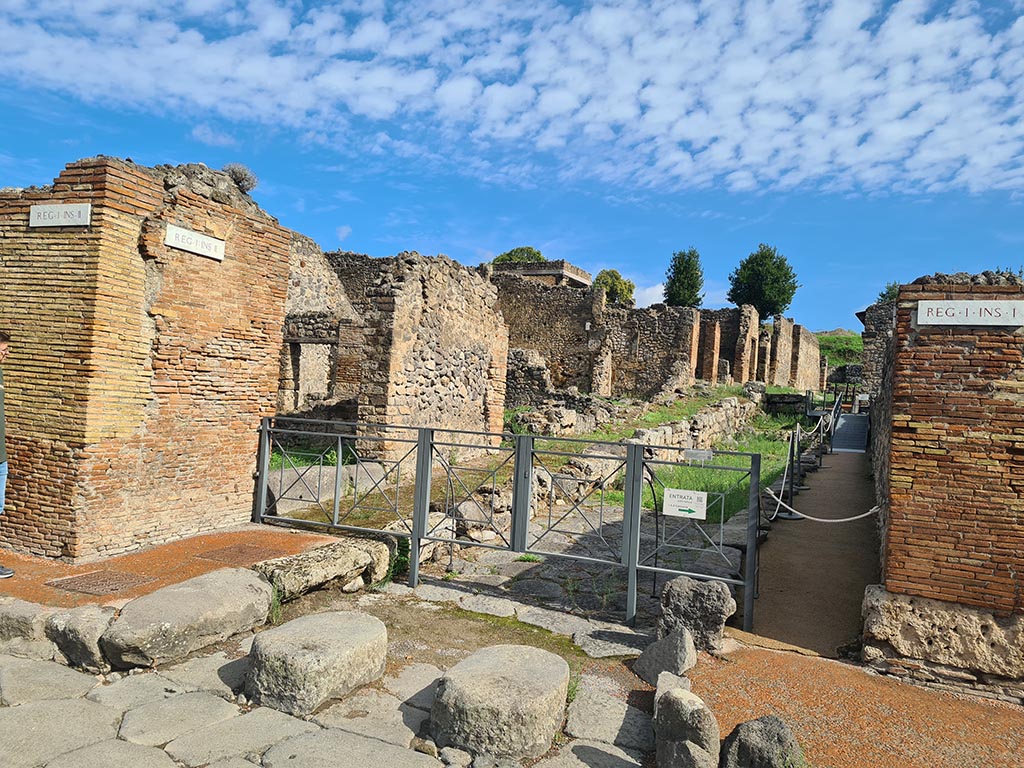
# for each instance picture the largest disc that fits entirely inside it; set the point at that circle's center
(240, 554)
(100, 582)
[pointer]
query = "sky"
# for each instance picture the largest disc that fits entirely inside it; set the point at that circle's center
(869, 142)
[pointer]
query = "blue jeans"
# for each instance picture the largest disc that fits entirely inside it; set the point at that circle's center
(3, 485)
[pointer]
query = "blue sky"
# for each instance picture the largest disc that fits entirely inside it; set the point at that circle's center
(867, 141)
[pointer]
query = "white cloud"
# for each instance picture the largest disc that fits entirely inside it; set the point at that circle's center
(654, 294)
(909, 96)
(204, 134)
(343, 232)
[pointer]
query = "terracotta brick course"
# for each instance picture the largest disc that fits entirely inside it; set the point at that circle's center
(139, 372)
(956, 482)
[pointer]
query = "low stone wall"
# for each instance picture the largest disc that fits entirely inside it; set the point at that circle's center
(944, 645)
(704, 429)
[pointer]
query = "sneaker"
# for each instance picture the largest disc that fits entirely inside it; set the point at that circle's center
(5, 573)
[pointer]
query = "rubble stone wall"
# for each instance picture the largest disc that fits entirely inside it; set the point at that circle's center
(140, 371)
(806, 365)
(879, 326)
(780, 368)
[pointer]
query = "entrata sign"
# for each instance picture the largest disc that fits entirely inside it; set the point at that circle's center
(682, 503)
(970, 313)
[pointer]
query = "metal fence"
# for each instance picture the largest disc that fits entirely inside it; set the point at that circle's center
(609, 504)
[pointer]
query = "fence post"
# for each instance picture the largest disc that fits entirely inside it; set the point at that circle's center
(262, 471)
(522, 491)
(792, 469)
(338, 466)
(421, 499)
(631, 523)
(753, 515)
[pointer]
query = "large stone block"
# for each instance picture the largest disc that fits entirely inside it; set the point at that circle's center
(506, 700)
(674, 653)
(170, 623)
(77, 633)
(295, 575)
(298, 666)
(21, 620)
(699, 606)
(945, 633)
(766, 742)
(686, 731)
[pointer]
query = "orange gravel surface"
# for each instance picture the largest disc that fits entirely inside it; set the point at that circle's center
(846, 717)
(155, 567)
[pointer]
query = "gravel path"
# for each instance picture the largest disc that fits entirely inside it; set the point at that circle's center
(846, 717)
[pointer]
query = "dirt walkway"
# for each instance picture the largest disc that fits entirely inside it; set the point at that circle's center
(845, 717)
(813, 574)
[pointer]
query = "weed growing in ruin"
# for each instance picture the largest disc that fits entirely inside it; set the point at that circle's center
(244, 179)
(274, 614)
(529, 558)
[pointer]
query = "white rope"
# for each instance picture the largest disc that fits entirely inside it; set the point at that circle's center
(871, 511)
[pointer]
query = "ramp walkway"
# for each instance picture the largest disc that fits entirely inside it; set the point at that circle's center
(851, 434)
(813, 574)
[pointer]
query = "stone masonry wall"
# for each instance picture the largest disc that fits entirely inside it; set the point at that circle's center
(140, 371)
(806, 365)
(956, 526)
(879, 325)
(551, 320)
(736, 342)
(780, 368)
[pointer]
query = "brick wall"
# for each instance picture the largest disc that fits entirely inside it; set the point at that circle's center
(956, 490)
(140, 371)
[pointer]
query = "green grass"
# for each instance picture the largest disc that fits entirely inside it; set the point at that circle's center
(842, 349)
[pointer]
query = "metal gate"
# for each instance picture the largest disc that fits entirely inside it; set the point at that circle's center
(606, 504)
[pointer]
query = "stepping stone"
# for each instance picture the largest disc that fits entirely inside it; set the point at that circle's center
(134, 691)
(506, 700)
(596, 715)
(25, 680)
(699, 606)
(113, 754)
(160, 722)
(590, 754)
(22, 620)
(377, 715)
(334, 748)
(247, 734)
(298, 666)
(682, 723)
(170, 623)
(215, 673)
(415, 685)
(33, 734)
(766, 741)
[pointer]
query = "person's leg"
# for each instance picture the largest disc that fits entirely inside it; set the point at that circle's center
(5, 573)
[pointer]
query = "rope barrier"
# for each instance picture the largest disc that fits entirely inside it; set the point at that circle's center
(871, 511)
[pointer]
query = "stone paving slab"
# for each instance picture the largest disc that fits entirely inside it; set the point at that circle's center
(590, 754)
(215, 674)
(601, 642)
(553, 621)
(434, 593)
(596, 715)
(249, 734)
(492, 606)
(160, 722)
(134, 691)
(25, 680)
(377, 715)
(33, 734)
(415, 685)
(113, 754)
(334, 748)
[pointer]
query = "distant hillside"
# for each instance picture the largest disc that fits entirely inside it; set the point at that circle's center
(841, 347)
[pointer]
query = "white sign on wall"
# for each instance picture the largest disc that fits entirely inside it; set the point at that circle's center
(60, 215)
(194, 242)
(970, 313)
(682, 503)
